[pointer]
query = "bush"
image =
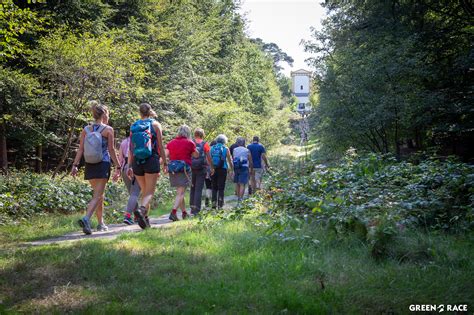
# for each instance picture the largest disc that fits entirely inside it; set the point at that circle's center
(23, 194)
(376, 198)
(369, 190)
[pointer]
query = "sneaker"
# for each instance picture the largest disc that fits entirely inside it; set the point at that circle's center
(102, 227)
(127, 219)
(173, 216)
(140, 217)
(86, 225)
(185, 215)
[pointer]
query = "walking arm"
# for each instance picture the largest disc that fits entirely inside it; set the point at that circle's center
(113, 152)
(264, 158)
(130, 161)
(159, 138)
(229, 161)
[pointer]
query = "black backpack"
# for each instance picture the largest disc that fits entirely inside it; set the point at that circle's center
(200, 162)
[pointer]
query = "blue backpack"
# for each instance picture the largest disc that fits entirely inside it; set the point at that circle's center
(218, 155)
(142, 134)
(178, 166)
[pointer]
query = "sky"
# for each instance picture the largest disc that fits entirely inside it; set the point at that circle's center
(285, 23)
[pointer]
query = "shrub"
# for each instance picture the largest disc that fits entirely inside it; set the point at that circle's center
(23, 194)
(368, 190)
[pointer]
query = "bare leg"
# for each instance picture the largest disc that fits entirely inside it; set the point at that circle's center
(252, 182)
(98, 187)
(179, 200)
(147, 185)
(99, 211)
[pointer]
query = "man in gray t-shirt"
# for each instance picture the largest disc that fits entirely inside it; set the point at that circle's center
(243, 166)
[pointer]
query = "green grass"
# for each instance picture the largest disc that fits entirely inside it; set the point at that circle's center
(50, 225)
(230, 268)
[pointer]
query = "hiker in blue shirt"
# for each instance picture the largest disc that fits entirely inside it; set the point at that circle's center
(258, 152)
(222, 163)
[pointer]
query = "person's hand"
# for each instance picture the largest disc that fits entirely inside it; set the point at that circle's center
(74, 170)
(130, 173)
(165, 167)
(116, 176)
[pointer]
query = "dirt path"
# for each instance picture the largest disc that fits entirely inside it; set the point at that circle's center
(116, 229)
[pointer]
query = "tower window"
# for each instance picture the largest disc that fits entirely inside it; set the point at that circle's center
(301, 87)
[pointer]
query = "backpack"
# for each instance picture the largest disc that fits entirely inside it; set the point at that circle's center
(142, 134)
(218, 155)
(93, 144)
(200, 162)
(178, 166)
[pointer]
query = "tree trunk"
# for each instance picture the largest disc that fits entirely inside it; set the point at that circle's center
(72, 129)
(39, 158)
(3, 147)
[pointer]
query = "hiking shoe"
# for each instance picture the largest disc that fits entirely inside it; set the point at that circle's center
(102, 227)
(86, 225)
(141, 219)
(173, 216)
(127, 219)
(185, 215)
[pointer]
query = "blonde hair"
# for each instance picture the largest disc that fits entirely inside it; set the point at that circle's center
(146, 110)
(184, 131)
(98, 109)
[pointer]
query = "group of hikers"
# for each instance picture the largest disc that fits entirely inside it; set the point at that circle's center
(189, 161)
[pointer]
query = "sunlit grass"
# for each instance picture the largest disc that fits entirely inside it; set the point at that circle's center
(229, 268)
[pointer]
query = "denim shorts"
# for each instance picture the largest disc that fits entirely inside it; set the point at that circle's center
(241, 175)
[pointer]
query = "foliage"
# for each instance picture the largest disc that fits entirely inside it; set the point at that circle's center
(14, 23)
(25, 194)
(179, 56)
(375, 197)
(394, 76)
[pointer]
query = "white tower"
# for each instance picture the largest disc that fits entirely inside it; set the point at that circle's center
(300, 87)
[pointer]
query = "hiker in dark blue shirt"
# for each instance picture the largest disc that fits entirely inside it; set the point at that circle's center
(258, 152)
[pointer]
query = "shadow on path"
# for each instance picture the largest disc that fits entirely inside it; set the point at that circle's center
(116, 229)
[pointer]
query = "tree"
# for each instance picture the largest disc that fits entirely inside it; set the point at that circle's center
(393, 73)
(76, 69)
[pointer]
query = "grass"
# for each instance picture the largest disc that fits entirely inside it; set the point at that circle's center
(51, 225)
(231, 267)
(215, 267)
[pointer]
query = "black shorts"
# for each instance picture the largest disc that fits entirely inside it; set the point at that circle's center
(151, 166)
(97, 170)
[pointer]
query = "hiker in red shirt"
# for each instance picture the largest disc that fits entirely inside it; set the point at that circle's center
(180, 152)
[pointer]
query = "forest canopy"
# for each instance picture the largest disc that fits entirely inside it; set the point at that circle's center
(395, 76)
(190, 59)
